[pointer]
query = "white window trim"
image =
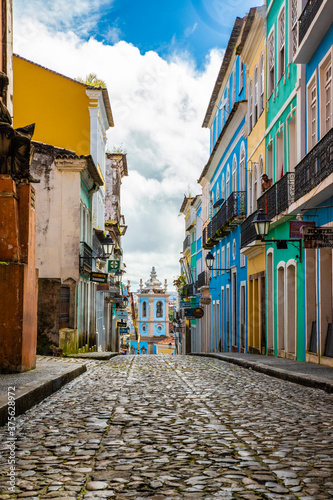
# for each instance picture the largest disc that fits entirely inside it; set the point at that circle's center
(323, 63)
(312, 81)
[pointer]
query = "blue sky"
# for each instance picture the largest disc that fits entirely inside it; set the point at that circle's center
(175, 26)
(160, 61)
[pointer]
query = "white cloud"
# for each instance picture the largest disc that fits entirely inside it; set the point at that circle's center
(158, 108)
(79, 15)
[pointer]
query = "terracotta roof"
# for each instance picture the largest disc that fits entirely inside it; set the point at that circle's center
(230, 117)
(246, 30)
(90, 164)
(167, 341)
(224, 67)
(107, 105)
(186, 199)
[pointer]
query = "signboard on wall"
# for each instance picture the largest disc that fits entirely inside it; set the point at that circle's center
(99, 277)
(318, 237)
(198, 312)
(121, 314)
(188, 313)
(297, 227)
(113, 265)
(103, 287)
(123, 330)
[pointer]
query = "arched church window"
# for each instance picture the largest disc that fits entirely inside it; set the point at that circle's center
(159, 309)
(144, 309)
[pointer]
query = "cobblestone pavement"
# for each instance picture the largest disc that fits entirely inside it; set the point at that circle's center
(173, 427)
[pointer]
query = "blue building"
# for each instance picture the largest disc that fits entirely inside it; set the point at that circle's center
(223, 182)
(314, 173)
(153, 315)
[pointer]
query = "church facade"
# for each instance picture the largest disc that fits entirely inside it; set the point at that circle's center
(153, 315)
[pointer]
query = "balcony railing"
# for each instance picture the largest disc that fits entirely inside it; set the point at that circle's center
(189, 290)
(231, 214)
(187, 243)
(315, 166)
(236, 207)
(248, 232)
(85, 257)
(278, 197)
(306, 18)
(202, 279)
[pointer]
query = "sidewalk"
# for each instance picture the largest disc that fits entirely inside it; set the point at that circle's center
(31, 387)
(102, 356)
(308, 374)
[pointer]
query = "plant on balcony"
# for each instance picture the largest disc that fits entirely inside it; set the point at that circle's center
(180, 284)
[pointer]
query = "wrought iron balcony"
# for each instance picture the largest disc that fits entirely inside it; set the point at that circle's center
(189, 290)
(187, 243)
(306, 18)
(279, 196)
(315, 166)
(230, 215)
(207, 236)
(202, 279)
(248, 232)
(236, 208)
(85, 258)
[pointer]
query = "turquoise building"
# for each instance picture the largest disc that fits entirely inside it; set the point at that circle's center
(153, 315)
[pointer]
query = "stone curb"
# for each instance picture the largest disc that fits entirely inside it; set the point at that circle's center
(28, 396)
(297, 378)
(99, 356)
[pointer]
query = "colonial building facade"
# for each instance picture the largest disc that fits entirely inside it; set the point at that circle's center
(153, 315)
(270, 115)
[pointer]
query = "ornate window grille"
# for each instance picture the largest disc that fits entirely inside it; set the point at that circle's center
(313, 116)
(293, 23)
(282, 43)
(271, 64)
(328, 96)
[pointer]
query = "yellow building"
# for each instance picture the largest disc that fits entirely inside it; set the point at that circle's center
(67, 113)
(253, 54)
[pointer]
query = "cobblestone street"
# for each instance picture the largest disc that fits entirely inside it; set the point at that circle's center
(174, 427)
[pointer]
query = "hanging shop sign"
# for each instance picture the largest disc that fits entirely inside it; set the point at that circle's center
(104, 287)
(99, 277)
(318, 237)
(198, 312)
(188, 313)
(113, 265)
(117, 300)
(121, 314)
(123, 330)
(297, 227)
(205, 301)
(184, 303)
